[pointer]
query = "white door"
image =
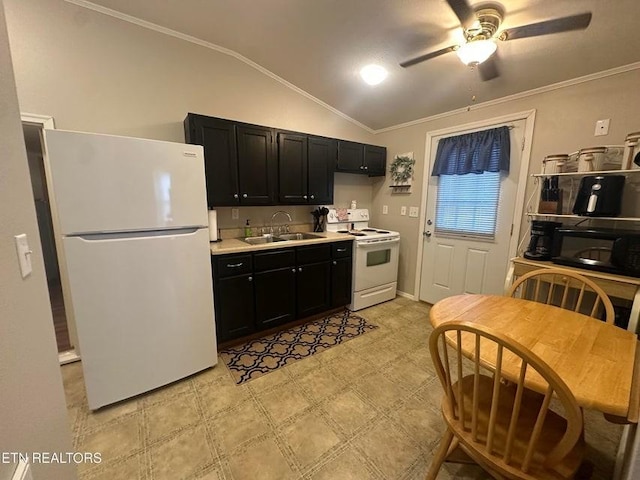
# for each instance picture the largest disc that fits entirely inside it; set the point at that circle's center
(451, 264)
(143, 308)
(105, 183)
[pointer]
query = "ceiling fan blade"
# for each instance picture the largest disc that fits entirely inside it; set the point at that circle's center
(463, 11)
(564, 24)
(427, 56)
(488, 69)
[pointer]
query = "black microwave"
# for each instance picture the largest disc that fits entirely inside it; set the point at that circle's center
(603, 249)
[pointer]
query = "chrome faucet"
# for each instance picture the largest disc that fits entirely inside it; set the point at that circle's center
(286, 225)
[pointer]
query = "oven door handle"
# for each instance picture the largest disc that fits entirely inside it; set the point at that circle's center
(375, 243)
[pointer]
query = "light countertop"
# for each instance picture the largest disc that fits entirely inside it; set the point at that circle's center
(235, 245)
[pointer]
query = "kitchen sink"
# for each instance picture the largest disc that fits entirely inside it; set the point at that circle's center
(297, 236)
(262, 239)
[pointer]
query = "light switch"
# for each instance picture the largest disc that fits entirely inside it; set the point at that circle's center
(24, 254)
(403, 210)
(385, 209)
(235, 213)
(413, 211)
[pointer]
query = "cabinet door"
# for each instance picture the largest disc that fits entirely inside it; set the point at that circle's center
(292, 168)
(235, 312)
(275, 297)
(322, 164)
(375, 160)
(313, 288)
(350, 157)
(256, 167)
(340, 282)
(218, 137)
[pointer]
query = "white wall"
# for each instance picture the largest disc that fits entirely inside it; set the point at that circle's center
(565, 122)
(33, 416)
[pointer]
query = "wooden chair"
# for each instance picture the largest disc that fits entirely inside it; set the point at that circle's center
(506, 428)
(564, 288)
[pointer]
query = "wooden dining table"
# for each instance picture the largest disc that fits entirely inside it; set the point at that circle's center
(597, 361)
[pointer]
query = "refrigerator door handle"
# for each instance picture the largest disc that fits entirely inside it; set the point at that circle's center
(92, 237)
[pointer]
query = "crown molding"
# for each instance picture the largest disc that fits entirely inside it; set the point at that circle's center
(188, 38)
(517, 96)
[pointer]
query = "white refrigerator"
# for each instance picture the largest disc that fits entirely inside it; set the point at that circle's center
(132, 214)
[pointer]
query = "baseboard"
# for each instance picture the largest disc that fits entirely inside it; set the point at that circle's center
(69, 356)
(406, 295)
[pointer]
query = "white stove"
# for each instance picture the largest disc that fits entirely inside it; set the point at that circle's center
(375, 261)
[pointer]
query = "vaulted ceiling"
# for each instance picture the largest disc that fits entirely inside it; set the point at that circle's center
(320, 45)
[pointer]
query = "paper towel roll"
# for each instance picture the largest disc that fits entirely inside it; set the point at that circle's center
(213, 226)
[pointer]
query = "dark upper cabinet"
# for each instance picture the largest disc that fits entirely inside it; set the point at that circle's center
(350, 157)
(257, 169)
(305, 169)
(375, 160)
(292, 168)
(240, 166)
(218, 137)
(322, 164)
(359, 158)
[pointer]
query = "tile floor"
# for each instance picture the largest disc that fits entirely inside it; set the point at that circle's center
(366, 409)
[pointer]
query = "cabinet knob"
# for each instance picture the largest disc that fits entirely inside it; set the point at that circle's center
(304, 196)
(335, 263)
(312, 197)
(366, 167)
(300, 269)
(235, 195)
(361, 167)
(250, 279)
(244, 195)
(293, 270)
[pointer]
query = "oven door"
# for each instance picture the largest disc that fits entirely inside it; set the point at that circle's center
(376, 262)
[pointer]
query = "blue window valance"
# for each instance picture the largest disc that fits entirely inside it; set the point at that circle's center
(477, 152)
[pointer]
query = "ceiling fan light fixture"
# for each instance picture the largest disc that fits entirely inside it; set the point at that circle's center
(373, 74)
(476, 51)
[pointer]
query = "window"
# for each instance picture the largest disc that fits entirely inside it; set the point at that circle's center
(469, 169)
(468, 205)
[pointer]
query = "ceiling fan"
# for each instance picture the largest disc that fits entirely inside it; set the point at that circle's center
(480, 27)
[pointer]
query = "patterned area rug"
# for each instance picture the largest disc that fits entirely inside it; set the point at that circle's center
(259, 357)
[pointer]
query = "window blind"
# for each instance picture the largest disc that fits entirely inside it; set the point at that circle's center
(467, 205)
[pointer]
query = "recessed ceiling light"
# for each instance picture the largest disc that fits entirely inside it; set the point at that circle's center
(373, 74)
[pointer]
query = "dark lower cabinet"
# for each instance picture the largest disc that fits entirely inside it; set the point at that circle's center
(234, 306)
(259, 290)
(313, 289)
(341, 282)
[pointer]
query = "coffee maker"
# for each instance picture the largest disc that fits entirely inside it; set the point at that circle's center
(541, 240)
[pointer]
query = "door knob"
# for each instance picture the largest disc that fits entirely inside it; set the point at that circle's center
(427, 233)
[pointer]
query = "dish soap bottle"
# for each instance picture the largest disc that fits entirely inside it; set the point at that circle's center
(247, 230)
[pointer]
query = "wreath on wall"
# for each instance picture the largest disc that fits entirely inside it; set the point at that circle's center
(401, 168)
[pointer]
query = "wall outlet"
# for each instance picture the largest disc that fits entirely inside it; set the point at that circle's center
(235, 213)
(403, 210)
(413, 211)
(385, 209)
(602, 127)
